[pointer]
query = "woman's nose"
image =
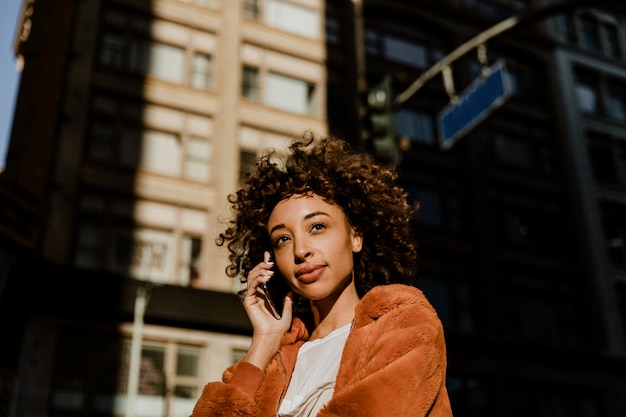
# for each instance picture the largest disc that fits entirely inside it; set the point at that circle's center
(302, 251)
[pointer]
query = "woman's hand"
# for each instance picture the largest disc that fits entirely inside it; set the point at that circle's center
(267, 330)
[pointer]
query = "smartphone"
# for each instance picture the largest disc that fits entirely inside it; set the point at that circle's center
(275, 290)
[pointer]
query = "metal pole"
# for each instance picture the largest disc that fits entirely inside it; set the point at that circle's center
(141, 299)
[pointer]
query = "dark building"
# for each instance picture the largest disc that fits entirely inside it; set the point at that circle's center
(135, 119)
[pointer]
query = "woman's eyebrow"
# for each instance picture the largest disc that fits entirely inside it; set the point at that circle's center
(307, 217)
(316, 213)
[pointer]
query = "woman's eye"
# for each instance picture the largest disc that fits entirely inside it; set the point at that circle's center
(280, 240)
(317, 227)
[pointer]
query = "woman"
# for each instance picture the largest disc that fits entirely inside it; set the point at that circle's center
(351, 338)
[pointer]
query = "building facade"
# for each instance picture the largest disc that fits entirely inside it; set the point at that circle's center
(136, 118)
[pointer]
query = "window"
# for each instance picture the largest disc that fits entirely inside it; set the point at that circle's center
(613, 48)
(112, 49)
(90, 248)
(142, 253)
(101, 144)
(590, 33)
(252, 9)
(593, 31)
(587, 98)
(213, 4)
(289, 94)
(292, 18)
(600, 95)
(160, 152)
(616, 100)
(614, 225)
(201, 72)
(190, 260)
(250, 83)
(169, 379)
(333, 30)
(608, 159)
(405, 52)
(128, 48)
(418, 53)
(532, 226)
(451, 299)
(173, 254)
(516, 147)
(525, 84)
(163, 61)
(437, 208)
(246, 159)
(418, 126)
(336, 105)
(113, 139)
(238, 354)
(284, 15)
(198, 153)
(372, 42)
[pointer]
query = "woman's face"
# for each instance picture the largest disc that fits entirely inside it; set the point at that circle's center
(313, 246)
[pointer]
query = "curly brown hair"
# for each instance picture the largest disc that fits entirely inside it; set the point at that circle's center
(327, 166)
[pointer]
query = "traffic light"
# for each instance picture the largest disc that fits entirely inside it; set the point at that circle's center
(381, 126)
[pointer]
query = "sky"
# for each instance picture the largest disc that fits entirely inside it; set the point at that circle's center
(9, 76)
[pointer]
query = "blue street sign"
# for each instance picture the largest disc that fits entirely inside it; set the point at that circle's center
(477, 102)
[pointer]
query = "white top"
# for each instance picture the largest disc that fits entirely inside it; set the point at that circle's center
(315, 372)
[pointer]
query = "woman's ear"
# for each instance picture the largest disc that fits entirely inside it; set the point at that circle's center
(357, 240)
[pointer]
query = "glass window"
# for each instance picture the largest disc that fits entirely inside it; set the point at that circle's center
(252, 9)
(250, 83)
(187, 361)
(289, 94)
(438, 293)
(333, 30)
(440, 209)
(614, 224)
(612, 41)
(101, 145)
(92, 370)
(201, 72)
(186, 390)
(130, 146)
(88, 253)
(586, 98)
(238, 354)
(160, 152)
(190, 260)
(539, 321)
(405, 52)
(163, 61)
(513, 152)
(431, 208)
(603, 161)
(198, 154)
(112, 48)
(451, 299)
(208, 3)
(246, 159)
(616, 100)
(416, 125)
(591, 33)
(372, 42)
(292, 18)
(142, 253)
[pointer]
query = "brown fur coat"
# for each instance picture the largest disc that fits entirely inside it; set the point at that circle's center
(393, 364)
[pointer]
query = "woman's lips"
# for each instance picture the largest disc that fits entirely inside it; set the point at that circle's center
(309, 274)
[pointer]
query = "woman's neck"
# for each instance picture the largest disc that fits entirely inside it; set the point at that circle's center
(331, 315)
